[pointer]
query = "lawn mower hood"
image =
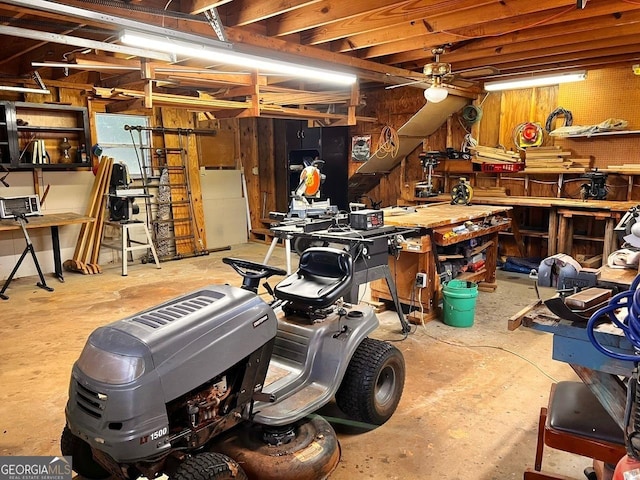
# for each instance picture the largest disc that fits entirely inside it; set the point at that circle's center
(129, 370)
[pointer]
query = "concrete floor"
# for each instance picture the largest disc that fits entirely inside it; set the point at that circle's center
(469, 409)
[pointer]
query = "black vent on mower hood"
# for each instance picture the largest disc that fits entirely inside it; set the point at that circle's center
(177, 310)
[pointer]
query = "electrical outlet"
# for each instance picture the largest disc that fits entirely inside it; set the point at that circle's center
(421, 280)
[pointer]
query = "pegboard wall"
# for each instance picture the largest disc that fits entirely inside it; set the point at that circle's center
(606, 93)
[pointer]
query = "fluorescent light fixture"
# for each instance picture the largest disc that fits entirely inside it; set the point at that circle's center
(24, 89)
(212, 53)
(81, 42)
(537, 81)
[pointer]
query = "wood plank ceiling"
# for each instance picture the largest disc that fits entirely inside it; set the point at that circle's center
(384, 42)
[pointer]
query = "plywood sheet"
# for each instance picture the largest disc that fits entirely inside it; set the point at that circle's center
(428, 119)
(225, 213)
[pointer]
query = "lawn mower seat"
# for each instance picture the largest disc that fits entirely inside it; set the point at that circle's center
(323, 276)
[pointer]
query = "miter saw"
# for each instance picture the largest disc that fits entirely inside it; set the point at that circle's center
(305, 199)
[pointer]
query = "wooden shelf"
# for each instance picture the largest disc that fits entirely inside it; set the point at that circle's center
(50, 166)
(600, 134)
(50, 123)
(439, 235)
(529, 233)
(472, 276)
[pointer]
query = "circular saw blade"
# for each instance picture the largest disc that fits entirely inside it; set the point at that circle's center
(312, 179)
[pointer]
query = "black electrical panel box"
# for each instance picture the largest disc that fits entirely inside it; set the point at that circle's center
(366, 219)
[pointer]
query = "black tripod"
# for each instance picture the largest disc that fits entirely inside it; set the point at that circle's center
(22, 220)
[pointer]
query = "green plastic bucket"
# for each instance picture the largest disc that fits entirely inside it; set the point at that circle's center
(459, 302)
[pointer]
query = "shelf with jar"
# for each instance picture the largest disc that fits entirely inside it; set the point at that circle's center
(34, 135)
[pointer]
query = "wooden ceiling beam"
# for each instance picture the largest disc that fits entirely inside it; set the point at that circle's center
(622, 60)
(324, 13)
(244, 12)
(565, 27)
(391, 19)
(540, 61)
(575, 51)
(575, 42)
(107, 60)
(444, 20)
(491, 34)
(367, 70)
(199, 6)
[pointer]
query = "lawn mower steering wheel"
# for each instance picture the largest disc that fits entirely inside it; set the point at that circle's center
(253, 270)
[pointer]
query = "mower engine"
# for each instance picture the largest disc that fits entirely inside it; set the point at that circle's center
(165, 381)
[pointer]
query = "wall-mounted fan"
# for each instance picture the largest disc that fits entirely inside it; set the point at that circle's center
(438, 73)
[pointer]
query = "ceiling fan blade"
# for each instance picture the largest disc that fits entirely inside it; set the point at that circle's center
(477, 72)
(391, 87)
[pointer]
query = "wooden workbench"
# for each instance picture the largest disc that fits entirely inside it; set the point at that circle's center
(520, 201)
(53, 221)
(561, 212)
(419, 255)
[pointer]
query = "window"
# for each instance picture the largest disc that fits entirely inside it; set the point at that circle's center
(127, 146)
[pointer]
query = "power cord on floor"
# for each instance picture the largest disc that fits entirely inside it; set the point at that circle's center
(405, 335)
(536, 366)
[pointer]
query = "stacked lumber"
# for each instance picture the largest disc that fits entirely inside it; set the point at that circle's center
(625, 168)
(553, 160)
(85, 257)
(494, 155)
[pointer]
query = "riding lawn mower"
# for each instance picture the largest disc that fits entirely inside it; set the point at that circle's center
(218, 383)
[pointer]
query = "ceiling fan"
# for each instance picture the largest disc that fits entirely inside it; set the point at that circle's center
(437, 73)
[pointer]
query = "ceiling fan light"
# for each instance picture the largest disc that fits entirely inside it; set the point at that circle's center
(435, 94)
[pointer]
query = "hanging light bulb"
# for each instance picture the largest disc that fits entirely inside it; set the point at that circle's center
(436, 92)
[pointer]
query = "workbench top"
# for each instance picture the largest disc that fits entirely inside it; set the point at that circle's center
(518, 201)
(441, 214)
(47, 220)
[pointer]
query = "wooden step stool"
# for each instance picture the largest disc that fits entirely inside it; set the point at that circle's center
(127, 245)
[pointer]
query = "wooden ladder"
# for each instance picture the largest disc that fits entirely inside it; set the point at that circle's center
(171, 172)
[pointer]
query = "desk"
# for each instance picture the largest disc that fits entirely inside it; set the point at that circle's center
(53, 221)
(436, 222)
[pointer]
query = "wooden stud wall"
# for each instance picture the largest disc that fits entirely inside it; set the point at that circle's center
(249, 159)
(267, 168)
